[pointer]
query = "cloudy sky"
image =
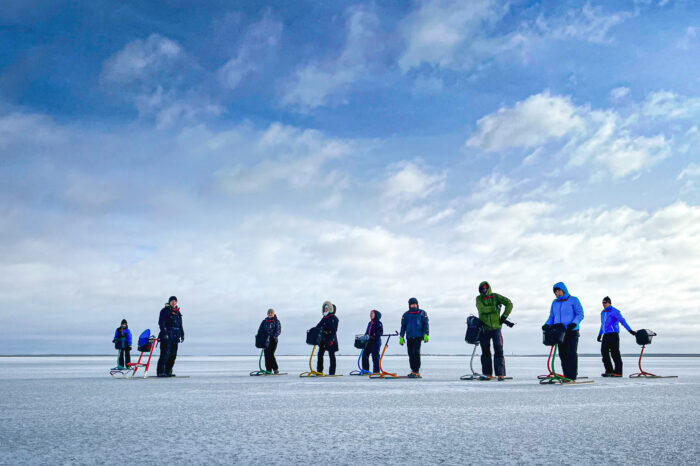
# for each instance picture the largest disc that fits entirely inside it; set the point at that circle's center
(246, 155)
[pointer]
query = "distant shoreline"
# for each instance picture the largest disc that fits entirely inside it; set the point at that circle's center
(584, 355)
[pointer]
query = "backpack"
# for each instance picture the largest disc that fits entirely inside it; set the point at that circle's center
(262, 340)
(475, 328)
(554, 335)
(314, 336)
(644, 337)
(145, 341)
(361, 341)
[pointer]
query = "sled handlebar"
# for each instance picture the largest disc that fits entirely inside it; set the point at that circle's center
(392, 334)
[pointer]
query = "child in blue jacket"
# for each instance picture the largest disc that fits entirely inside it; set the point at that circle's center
(566, 310)
(374, 331)
(609, 338)
(122, 342)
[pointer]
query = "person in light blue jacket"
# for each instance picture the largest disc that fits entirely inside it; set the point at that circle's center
(609, 338)
(566, 310)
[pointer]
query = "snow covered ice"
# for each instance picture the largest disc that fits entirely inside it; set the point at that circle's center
(62, 410)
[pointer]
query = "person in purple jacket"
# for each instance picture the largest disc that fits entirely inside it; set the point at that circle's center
(566, 310)
(609, 338)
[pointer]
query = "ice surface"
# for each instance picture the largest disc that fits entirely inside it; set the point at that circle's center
(69, 410)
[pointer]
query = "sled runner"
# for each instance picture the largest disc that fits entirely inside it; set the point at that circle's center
(313, 337)
(553, 337)
(146, 344)
(644, 338)
(382, 373)
(261, 371)
(360, 343)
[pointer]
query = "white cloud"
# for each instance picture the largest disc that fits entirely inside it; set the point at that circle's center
(407, 182)
(529, 123)
(669, 105)
(258, 44)
(619, 93)
(691, 171)
(314, 84)
(689, 39)
(588, 24)
(290, 156)
(140, 59)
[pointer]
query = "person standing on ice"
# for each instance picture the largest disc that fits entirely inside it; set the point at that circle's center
(489, 306)
(271, 327)
(329, 340)
(122, 342)
(374, 332)
(566, 310)
(415, 327)
(171, 333)
(609, 338)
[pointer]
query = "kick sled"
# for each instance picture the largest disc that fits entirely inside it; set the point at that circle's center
(361, 344)
(643, 339)
(475, 329)
(146, 345)
(552, 337)
(384, 374)
(262, 340)
(313, 338)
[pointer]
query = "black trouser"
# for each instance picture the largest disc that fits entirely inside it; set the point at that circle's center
(168, 354)
(124, 356)
(611, 347)
(414, 353)
(374, 352)
(499, 362)
(270, 361)
(319, 362)
(569, 355)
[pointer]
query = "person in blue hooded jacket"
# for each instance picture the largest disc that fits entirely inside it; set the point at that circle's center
(609, 338)
(415, 327)
(122, 342)
(566, 310)
(374, 332)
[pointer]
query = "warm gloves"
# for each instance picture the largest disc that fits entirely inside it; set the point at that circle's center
(600, 338)
(545, 327)
(426, 338)
(570, 327)
(633, 333)
(401, 341)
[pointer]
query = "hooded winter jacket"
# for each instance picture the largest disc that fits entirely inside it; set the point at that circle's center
(271, 326)
(565, 310)
(489, 306)
(414, 323)
(329, 326)
(170, 322)
(375, 329)
(610, 318)
(122, 332)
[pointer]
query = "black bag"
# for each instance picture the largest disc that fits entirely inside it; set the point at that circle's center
(262, 340)
(361, 341)
(554, 335)
(644, 337)
(314, 336)
(474, 330)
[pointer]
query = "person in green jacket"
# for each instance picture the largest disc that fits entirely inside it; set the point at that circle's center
(489, 306)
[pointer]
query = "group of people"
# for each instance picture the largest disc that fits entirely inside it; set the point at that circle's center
(493, 310)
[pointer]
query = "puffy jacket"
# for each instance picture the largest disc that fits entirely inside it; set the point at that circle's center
(610, 318)
(375, 329)
(118, 334)
(271, 326)
(329, 325)
(489, 306)
(565, 310)
(170, 322)
(414, 323)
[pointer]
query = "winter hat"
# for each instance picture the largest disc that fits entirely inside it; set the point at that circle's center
(124, 322)
(271, 310)
(329, 305)
(412, 301)
(172, 298)
(607, 300)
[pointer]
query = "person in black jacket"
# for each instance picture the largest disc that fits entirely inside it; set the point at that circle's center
(271, 327)
(171, 333)
(374, 332)
(329, 341)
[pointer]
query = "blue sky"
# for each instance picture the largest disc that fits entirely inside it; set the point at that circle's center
(273, 154)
